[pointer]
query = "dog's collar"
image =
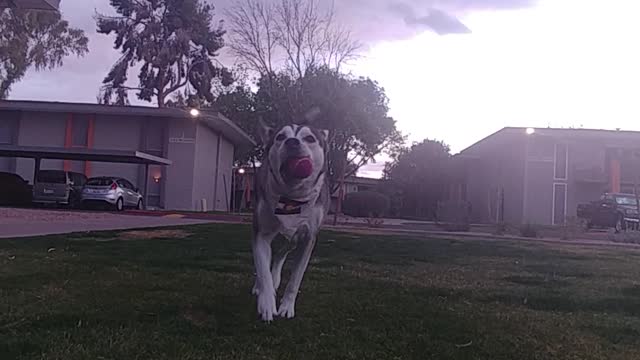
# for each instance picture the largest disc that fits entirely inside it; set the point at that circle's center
(286, 206)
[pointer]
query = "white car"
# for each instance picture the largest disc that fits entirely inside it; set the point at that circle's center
(114, 192)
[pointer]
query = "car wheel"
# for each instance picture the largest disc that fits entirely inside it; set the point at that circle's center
(119, 204)
(140, 205)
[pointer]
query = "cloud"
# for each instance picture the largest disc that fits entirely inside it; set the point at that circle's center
(372, 21)
(438, 21)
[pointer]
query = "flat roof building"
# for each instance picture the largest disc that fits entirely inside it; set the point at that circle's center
(189, 158)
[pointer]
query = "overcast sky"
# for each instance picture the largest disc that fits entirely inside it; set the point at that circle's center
(454, 70)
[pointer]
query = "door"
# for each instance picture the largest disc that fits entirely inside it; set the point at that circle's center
(126, 192)
(131, 192)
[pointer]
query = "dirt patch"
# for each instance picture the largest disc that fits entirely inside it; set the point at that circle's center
(153, 234)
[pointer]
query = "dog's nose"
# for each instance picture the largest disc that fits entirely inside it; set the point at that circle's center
(292, 143)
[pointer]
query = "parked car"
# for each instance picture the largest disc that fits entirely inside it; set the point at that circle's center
(58, 187)
(613, 210)
(14, 190)
(114, 192)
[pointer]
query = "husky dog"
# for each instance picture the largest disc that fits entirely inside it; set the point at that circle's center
(291, 198)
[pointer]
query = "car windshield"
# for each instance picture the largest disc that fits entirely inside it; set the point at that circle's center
(100, 182)
(626, 200)
(52, 177)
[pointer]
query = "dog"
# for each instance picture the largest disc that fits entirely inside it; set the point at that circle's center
(292, 199)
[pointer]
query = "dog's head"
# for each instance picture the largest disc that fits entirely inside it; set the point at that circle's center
(296, 153)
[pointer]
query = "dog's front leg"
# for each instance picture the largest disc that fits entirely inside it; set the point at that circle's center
(302, 254)
(265, 291)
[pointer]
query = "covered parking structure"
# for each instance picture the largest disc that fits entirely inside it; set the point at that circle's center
(111, 156)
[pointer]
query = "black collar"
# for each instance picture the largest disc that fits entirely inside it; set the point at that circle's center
(286, 206)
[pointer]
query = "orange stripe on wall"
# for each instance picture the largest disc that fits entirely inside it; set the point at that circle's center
(90, 133)
(614, 176)
(68, 140)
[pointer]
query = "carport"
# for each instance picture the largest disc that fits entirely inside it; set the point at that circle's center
(112, 156)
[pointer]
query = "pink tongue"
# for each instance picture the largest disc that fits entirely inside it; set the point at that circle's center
(299, 167)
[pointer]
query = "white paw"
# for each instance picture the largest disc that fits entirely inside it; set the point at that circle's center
(287, 308)
(266, 305)
(255, 290)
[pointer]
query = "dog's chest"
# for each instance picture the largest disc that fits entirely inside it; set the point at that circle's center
(292, 215)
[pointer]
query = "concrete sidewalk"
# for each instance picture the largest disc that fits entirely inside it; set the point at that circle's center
(16, 223)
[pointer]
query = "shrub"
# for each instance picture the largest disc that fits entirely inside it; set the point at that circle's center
(366, 204)
(529, 230)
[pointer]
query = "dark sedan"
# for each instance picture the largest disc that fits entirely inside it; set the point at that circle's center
(14, 190)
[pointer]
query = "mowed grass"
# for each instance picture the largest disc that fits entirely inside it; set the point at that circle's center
(108, 296)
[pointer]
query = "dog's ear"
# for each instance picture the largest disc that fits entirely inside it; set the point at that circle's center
(265, 131)
(311, 115)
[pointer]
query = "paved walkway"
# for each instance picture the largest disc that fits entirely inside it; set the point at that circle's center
(36, 222)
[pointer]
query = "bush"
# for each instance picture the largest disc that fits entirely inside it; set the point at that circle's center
(529, 231)
(366, 204)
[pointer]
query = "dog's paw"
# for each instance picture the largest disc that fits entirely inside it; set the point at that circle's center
(287, 308)
(267, 305)
(256, 289)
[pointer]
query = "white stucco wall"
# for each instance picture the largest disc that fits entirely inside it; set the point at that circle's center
(117, 133)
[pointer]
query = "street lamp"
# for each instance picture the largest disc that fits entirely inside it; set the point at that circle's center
(194, 112)
(241, 171)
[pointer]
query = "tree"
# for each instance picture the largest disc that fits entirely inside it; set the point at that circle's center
(355, 110)
(421, 175)
(175, 43)
(38, 39)
(295, 35)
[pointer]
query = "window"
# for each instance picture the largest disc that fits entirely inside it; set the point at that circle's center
(79, 136)
(52, 177)
(6, 131)
(155, 139)
(100, 182)
(561, 155)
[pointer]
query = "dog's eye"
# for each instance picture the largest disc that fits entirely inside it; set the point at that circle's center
(309, 139)
(281, 137)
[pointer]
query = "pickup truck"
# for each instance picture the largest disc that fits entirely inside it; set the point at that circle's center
(613, 210)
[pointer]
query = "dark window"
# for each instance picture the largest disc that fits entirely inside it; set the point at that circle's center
(129, 185)
(52, 177)
(561, 162)
(78, 179)
(559, 203)
(100, 182)
(80, 131)
(121, 183)
(155, 139)
(6, 131)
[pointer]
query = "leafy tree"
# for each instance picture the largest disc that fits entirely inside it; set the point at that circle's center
(175, 44)
(38, 39)
(355, 110)
(420, 173)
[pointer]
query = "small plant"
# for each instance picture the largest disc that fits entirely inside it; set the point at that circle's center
(374, 222)
(529, 231)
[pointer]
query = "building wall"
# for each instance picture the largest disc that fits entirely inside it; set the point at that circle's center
(225, 165)
(205, 168)
(180, 175)
(498, 169)
(40, 129)
(117, 133)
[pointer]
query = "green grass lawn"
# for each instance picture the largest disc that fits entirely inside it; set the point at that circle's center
(110, 296)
